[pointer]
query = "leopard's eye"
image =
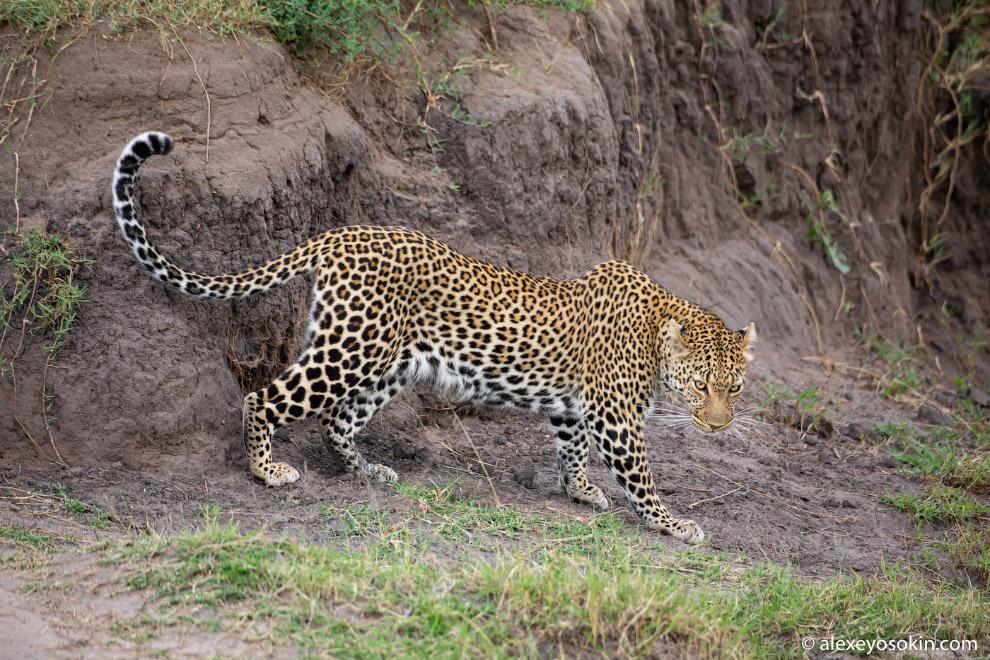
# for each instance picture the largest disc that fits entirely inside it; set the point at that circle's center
(700, 385)
(735, 389)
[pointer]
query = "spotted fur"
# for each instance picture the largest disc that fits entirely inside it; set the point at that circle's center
(392, 306)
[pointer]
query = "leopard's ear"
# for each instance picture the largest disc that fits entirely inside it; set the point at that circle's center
(746, 342)
(679, 344)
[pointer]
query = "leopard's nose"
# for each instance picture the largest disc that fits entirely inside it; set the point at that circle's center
(722, 427)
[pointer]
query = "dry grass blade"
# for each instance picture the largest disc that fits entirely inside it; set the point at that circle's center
(498, 502)
(209, 107)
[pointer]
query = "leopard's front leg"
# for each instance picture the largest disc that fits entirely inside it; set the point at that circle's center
(619, 437)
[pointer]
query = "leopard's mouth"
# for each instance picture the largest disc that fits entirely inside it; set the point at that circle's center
(713, 428)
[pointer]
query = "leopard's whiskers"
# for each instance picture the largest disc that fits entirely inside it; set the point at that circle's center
(749, 411)
(746, 420)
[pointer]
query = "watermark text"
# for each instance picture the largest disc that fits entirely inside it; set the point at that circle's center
(871, 646)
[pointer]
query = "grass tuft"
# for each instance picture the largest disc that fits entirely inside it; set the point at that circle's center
(939, 503)
(944, 459)
(220, 17)
(43, 288)
(29, 540)
(970, 548)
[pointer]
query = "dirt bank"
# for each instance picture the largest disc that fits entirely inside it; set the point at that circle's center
(596, 144)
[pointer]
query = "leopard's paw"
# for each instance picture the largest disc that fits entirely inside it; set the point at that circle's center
(687, 531)
(382, 473)
(590, 494)
(594, 496)
(279, 474)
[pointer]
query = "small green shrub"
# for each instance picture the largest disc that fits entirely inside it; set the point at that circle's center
(346, 26)
(43, 288)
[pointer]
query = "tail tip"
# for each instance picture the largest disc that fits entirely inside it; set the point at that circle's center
(161, 143)
(152, 143)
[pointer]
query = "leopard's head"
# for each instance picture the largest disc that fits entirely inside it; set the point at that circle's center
(707, 366)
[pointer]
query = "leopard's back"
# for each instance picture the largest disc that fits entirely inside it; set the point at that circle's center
(481, 331)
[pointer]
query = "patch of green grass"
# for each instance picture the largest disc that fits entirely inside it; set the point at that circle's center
(56, 496)
(899, 431)
(55, 490)
(136, 629)
(94, 516)
(970, 548)
(210, 512)
(350, 27)
(33, 541)
(893, 604)
(941, 456)
(41, 298)
(356, 521)
(975, 420)
(896, 383)
(43, 287)
(941, 453)
(938, 503)
(468, 523)
(409, 606)
(900, 375)
(944, 459)
(418, 602)
(452, 513)
(221, 17)
(42, 15)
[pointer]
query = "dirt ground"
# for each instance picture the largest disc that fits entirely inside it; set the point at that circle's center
(774, 467)
(777, 494)
(781, 493)
(596, 144)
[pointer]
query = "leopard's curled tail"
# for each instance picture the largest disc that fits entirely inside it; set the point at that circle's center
(302, 259)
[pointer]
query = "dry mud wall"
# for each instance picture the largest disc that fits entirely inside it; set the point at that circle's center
(590, 137)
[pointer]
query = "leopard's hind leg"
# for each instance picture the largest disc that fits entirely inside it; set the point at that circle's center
(573, 443)
(318, 381)
(284, 400)
(340, 423)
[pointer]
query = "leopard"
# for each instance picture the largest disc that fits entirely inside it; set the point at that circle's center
(391, 306)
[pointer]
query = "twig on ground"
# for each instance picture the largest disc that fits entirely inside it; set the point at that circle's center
(717, 497)
(820, 514)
